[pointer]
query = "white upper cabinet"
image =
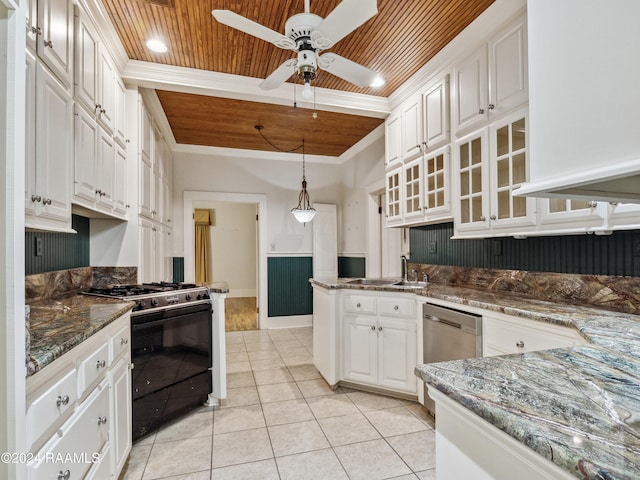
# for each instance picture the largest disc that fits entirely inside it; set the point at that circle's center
(85, 155)
(31, 13)
(120, 131)
(437, 185)
(49, 205)
(30, 135)
(86, 63)
(435, 114)
(55, 37)
(411, 127)
(393, 139)
(393, 191)
(493, 79)
(584, 78)
(490, 164)
(106, 101)
(471, 90)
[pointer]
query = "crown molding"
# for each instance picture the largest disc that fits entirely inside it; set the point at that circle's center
(246, 154)
(204, 82)
(373, 136)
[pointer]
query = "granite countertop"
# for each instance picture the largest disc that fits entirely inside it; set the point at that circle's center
(578, 407)
(216, 287)
(57, 325)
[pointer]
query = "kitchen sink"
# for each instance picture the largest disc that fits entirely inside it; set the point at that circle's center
(382, 282)
(409, 284)
(371, 281)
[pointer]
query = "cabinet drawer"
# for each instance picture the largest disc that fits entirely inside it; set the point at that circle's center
(48, 408)
(399, 307)
(93, 368)
(78, 443)
(120, 342)
(504, 337)
(360, 304)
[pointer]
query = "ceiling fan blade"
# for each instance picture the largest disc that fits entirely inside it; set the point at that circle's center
(233, 20)
(279, 75)
(350, 71)
(344, 19)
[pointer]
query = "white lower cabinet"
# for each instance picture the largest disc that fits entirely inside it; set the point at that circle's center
(78, 409)
(503, 334)
(379, 341)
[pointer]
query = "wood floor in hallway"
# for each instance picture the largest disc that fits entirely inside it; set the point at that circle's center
(240, 314)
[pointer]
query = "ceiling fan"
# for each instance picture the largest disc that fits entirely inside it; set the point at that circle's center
(309, 34)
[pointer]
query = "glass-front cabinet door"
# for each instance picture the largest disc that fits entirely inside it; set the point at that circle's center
(509, 169)
(437, 195)
(472, 182)
(393, 191)
(413, 190)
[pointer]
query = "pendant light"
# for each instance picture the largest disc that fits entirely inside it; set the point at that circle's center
(304, 212)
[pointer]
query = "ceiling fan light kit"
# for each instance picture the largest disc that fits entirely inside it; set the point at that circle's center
(309, 34)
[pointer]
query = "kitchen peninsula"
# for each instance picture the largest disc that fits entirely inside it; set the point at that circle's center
(575, 407)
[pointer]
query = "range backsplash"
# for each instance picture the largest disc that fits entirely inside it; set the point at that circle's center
(41, 286)
(620, 294)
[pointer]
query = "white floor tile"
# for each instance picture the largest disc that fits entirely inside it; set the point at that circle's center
(262, 470)
(177, 458)
(297, 438)
(317, 465)
(373, 460)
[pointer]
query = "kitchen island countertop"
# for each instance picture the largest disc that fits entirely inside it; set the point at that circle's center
(578, 407)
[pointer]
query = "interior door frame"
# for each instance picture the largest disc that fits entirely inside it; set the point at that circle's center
(189, 249)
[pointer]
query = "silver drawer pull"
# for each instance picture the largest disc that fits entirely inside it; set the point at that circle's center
(396, 307)
(379, 329)
(520, 344)
(102, 420)
(373, 327)
(124, 341)
(62, 400)
(64, 475)
(100, 364)
(358, 305)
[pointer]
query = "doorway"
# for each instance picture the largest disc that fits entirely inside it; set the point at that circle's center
(237, 252)
(384, 244)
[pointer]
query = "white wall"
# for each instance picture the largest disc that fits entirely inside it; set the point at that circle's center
(280, 181)
(233, 246)
(357, 174)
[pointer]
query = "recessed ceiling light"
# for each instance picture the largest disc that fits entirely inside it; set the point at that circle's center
(156, 45)
(378, 82)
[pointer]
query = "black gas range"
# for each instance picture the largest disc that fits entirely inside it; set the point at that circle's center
(155, 296)
(171, 350)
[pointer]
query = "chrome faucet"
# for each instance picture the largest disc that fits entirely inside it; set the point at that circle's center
(405, 268)
(415, 275)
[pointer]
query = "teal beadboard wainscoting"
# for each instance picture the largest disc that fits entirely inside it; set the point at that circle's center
(351, 267)
(288, 284)
(178, 269)
(50, 251)
(615, 254)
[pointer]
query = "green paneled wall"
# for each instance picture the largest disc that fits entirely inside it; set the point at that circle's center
(60, 251)
(288, 285)
(351, 267)
(615, 254)
(178, 269)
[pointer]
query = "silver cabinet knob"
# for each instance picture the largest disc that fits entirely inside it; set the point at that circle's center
(373, 327)
(520, 344)
(64, 475)
(62, 400)
(46, 201)
(48, 43)
(358, 305)
(100, 364)
(493, 217)
(481, 111)
(124, 341)
(36, 198)
(491, 106)
(379, 329)
(102, 420)
(396, 307)
(483, 218)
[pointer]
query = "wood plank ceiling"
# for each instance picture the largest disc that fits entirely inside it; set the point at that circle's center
(400, 39)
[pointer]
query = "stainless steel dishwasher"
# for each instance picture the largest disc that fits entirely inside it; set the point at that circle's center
(449, 334)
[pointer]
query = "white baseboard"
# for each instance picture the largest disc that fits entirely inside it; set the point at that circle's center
(291, 321)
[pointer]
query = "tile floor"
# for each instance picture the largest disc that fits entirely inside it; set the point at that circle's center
(281, 421)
